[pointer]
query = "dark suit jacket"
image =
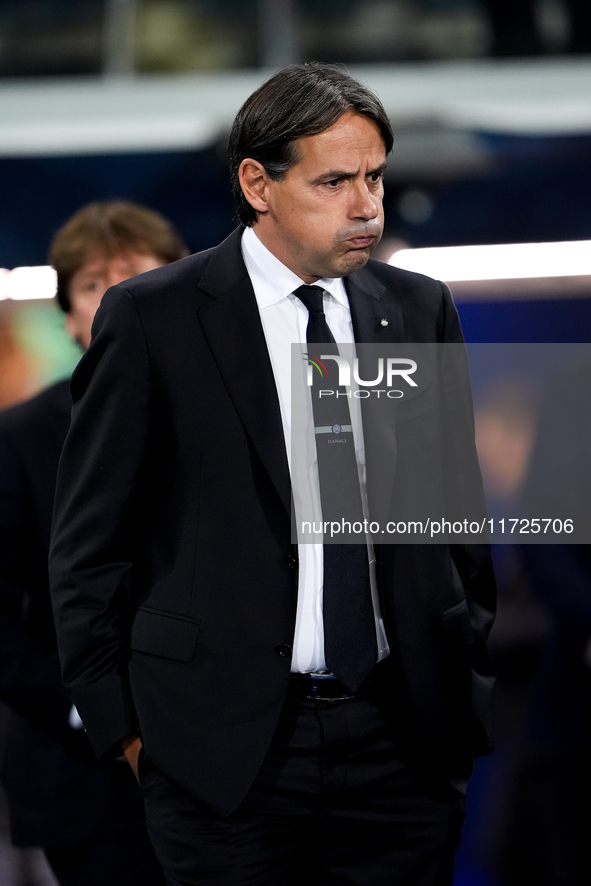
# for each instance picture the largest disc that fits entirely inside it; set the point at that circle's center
(57, 793)
(174, 577)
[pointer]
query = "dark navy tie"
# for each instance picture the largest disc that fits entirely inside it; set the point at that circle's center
(350, 645)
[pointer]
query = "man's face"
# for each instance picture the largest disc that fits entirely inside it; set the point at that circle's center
(91, 281)
(325, 216)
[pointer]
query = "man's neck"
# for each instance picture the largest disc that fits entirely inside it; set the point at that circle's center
(281, 254)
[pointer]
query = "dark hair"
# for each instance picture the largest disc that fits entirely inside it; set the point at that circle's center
(110, 227)
(299, 100)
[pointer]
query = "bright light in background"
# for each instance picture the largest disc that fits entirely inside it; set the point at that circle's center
(511, 261)
(498, 262)
(21, 284)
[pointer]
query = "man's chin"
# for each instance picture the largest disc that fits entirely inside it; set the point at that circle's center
(352, 260)
(355, 259)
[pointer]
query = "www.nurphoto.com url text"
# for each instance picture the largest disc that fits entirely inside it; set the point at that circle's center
(432, 528)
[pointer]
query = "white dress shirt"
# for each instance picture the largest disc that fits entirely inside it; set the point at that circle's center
(285, 318)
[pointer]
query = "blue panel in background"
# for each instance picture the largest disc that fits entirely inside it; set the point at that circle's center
(535, 189)
(40, 193)
(552, 320)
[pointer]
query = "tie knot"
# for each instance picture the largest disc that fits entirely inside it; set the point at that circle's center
(311, 296)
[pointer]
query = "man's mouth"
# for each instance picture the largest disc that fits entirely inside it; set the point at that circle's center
(362, 242)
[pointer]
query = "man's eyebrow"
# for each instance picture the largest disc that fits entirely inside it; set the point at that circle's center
(333, 174)
(379, 169)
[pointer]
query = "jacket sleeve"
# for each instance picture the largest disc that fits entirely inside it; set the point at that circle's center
(95, 517)
(30, 681)
(472, 561)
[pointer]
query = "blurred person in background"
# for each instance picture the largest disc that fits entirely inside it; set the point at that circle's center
(17, 376)
(88, 817)
(547, 833)
(505, 419)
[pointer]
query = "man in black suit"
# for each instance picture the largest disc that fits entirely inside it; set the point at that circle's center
(88, 816)
(303, 717)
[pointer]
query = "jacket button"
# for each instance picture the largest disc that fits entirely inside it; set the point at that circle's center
(284, 650)
(292, 561)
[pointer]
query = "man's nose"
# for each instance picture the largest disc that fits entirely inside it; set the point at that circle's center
(364, 204)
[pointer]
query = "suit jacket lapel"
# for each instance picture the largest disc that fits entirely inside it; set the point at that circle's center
(369, 310)
(368, 313)
(232, 325)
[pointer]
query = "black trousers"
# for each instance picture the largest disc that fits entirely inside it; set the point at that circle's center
(119, 852)
(332, 804)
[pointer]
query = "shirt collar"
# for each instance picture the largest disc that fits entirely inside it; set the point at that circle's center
(272, 280)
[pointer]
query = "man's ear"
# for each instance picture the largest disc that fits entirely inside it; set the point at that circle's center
(253, 181)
